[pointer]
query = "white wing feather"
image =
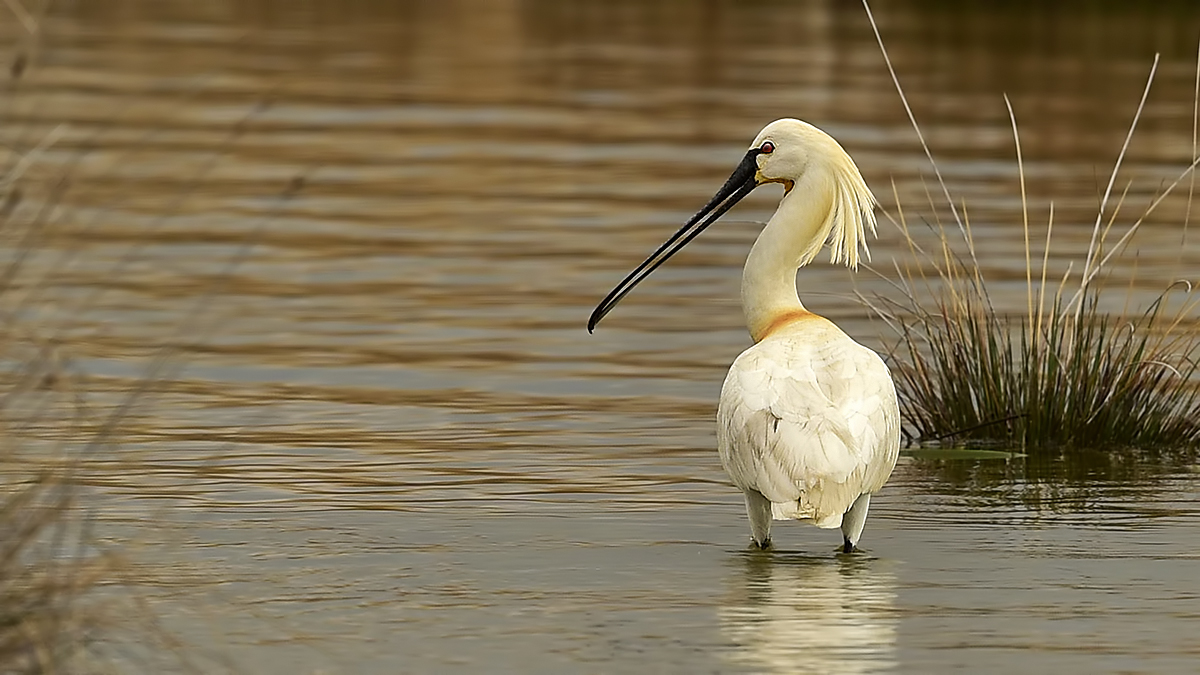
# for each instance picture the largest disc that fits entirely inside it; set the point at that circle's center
(809, 418)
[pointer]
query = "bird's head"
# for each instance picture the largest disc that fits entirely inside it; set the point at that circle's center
(793, 153)
(787, 151)
(784, 150)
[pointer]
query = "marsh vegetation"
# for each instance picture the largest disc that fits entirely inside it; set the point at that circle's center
(1070, 372)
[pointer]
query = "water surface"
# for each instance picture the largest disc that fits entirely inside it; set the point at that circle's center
(371, 234)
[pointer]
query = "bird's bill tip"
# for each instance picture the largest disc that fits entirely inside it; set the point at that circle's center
(602, 310)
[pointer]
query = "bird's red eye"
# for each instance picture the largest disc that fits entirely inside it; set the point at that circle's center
(767, 148)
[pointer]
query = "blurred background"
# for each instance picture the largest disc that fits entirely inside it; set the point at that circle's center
(323, 268)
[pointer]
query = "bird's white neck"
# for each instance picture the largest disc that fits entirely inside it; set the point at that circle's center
(769, 297)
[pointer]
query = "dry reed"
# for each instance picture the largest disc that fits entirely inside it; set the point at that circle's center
(1063, 374)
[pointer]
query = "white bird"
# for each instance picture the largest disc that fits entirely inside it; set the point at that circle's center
(808, 425)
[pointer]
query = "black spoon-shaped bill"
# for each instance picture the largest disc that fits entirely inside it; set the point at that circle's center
(741, 183)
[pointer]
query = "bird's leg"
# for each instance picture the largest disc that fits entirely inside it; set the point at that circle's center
(758, 508)
(853, 522)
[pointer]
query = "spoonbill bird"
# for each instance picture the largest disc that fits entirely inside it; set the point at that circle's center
(808, 425)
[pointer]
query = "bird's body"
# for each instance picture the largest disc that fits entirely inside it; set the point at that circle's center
(805, 427)
(808, 425)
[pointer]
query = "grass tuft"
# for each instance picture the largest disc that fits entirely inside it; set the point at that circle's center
(1071, 379)
(44, 576)
(1062, 374)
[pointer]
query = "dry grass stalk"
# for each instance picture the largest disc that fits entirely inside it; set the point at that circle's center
(1062, 374)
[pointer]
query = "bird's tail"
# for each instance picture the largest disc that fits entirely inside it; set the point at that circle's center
(797, 511)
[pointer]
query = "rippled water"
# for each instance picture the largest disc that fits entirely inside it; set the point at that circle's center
(383, 442)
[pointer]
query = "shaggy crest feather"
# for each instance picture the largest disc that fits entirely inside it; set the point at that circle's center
(806, 152)
(853, 213)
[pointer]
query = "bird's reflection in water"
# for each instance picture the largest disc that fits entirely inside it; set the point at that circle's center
(788, 613)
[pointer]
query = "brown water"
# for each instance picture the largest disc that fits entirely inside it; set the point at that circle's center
(384, 442)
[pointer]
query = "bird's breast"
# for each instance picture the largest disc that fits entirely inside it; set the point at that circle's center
(784, 319)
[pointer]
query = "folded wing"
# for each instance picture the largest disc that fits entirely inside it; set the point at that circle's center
(809, 421)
